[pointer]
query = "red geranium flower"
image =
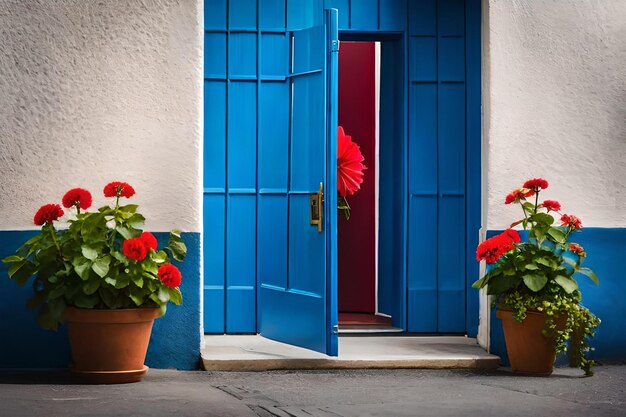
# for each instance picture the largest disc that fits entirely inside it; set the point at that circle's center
(493, 248)
(513, 235)
(169, 275)
(349, 164)
(517, 195)
(78, 197)
(577, 249)
(118, 189)
(536, 184)
(551, 205)
(135, 248)
(572, 221)
(149, 240)
(47, 214)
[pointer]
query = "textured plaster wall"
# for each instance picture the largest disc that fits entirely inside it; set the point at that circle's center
(555, 105)
(94, 91)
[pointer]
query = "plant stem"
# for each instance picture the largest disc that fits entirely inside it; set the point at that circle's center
(54, 239)
(536, 200)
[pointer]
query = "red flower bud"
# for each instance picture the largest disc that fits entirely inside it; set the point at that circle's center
(572, 221)
(118, 189)
(551, 205)
(536, 184)
(149, 240)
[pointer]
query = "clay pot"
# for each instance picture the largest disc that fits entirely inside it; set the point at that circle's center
(109, 346)
(530, 352)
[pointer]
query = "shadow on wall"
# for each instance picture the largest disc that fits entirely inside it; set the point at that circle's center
(175, 341)
(606, 249)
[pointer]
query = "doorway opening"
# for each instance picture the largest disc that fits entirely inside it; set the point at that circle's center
(371, 242)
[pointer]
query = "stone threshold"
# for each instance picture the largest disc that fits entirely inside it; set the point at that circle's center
(256, 353)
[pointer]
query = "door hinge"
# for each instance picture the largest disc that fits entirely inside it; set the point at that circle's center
(335, 329)
(334, 46)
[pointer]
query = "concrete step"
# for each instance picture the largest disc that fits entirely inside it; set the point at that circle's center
(256, 353)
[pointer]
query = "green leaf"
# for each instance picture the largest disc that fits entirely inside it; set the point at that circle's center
(12, 258)
(589, 273)
(21, 271)
(101, 266)
(160, 257)
(535, 282)
(110, 281)
(86, 301)
(138, 280)
(531, 267)
(568, 284)
(125, 232)
(136, 221)
(546, 262)
(164, 295)
(544, 218)
(175, 296)
(129, 208)
(176, 246)
(557, 235)
(91, 286)
(89, 252)
(82, 266)
(481, 282)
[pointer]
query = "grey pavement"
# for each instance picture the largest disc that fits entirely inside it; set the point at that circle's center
(409, 392)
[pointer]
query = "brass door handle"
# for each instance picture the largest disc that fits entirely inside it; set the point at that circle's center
(317, 208)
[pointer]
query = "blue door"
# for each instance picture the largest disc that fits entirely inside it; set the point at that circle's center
(299, 306)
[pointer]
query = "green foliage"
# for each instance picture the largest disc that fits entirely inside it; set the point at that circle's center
(84, 265)
(540, 275)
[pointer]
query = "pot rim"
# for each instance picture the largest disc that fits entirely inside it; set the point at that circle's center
(96, 315)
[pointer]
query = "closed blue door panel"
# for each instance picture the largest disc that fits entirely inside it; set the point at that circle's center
(295, 263)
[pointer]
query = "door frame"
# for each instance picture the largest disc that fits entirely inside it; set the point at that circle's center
(393, 49)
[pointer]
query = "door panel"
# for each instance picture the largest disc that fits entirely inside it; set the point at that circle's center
(297, 307)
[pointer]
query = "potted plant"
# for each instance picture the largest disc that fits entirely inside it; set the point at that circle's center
(534, 286)
(105, 276)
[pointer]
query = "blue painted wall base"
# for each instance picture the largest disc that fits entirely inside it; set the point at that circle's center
(606, 249)
(175, 341)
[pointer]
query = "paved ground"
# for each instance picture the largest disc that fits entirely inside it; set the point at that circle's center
(322, 393)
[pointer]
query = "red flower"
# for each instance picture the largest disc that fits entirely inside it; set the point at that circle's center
(572, 221)
(577, 249)
(78, 197)
(551, 205)
(517, 195)
(493, 248)
(149, 240)
(118, 189)
(169, 275)
(536, 184)
(135, 248)
(47, 214)
(513, 235)
(349, 164)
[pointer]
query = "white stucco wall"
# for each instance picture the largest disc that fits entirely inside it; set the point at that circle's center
(555, 105)
(95, 91)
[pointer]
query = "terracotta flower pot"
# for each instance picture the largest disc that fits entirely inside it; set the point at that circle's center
(109, 346)
(529, 351)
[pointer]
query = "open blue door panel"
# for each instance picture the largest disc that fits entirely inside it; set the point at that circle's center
(297, 303)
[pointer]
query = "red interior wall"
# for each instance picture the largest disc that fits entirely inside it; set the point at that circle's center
(357, 115)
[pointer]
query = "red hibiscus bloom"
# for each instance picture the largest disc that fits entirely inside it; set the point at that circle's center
(118, 189)
(78, 197)
(169, 275)
(517, 195)
(577, 249)
(572, 221)
(47, 214)
(149, 240)
(493, 248)
(536, 184)
(135, 248)
(551, 205)
(349, 164)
